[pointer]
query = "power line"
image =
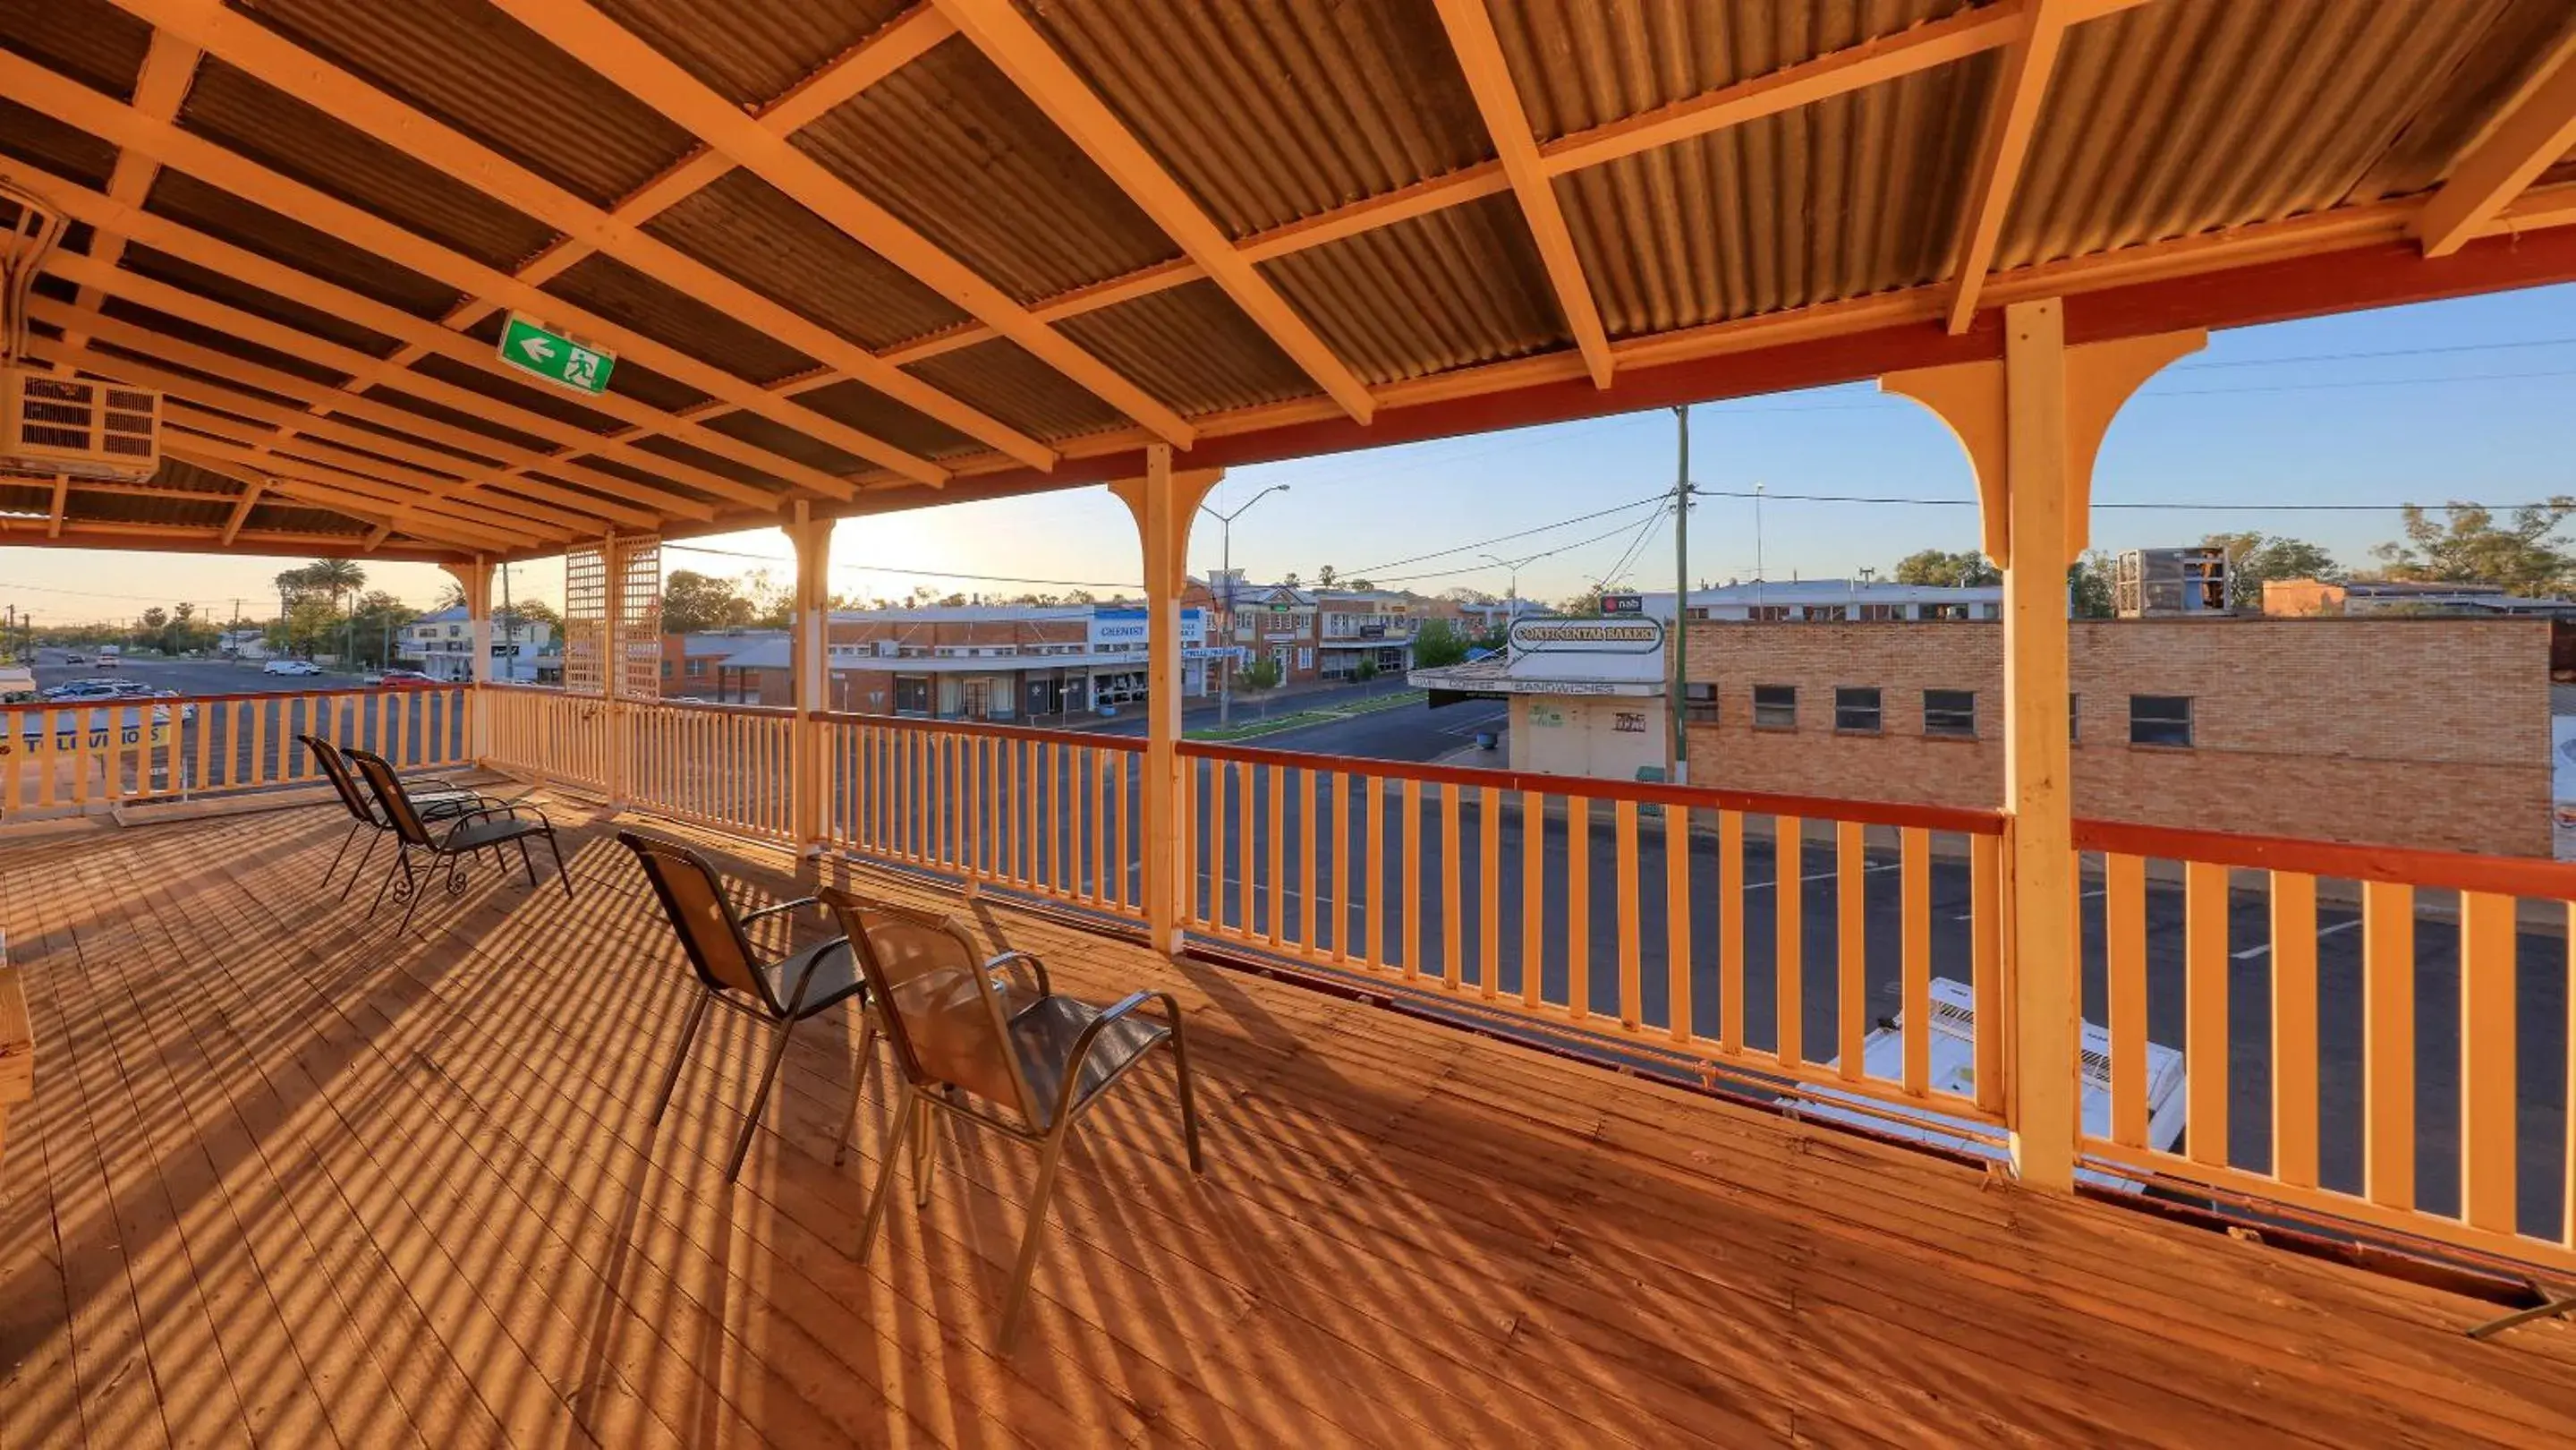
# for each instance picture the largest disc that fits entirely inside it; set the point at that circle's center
(2247, 508)
(1520, 534)
(2326, 357)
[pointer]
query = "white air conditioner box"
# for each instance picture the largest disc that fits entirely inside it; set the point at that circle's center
(78, 426)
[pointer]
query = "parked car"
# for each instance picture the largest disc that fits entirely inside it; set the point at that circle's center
(75, 659)
(405, 680)
(97, 689)
(290, 667)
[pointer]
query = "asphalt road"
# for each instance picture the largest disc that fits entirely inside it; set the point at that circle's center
(188, 677)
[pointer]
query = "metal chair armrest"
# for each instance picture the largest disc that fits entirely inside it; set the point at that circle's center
(805, 978)
(749, 916)
(1090, 1038)
(1013, 957)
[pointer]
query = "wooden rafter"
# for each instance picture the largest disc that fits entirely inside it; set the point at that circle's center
(2535, 128)
(897, 43)
(345, 502)
(169, 67)
(596, 41)
(1007, 39)
(241, 508)
(62, 501)
(295, 286)
(573, 439)
(1489, 80)
(270, 57)
(2011, 118)
(72, 103)
(237, 460)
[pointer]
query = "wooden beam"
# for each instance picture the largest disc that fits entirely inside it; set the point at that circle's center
(356, 507)
(62, 497)
(225, 366)
(169, 66)
(196, 539)
(627, 61)
(2533, 129)
(241, 508)
(1006, 37)
(2012, 117)
(107, 215)
(572, 438)
(1498, 100)
(389, 500)
(74, 104)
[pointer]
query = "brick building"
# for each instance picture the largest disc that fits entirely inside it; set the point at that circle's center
(2422, 732)
(1323, 635)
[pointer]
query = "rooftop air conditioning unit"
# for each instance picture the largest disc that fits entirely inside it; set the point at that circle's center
(78, 426)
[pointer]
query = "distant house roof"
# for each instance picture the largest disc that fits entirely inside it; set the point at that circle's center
(1827, 591)
(455, 614)
(725, 642)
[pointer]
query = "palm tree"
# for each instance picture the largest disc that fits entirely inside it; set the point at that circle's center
(335, 577)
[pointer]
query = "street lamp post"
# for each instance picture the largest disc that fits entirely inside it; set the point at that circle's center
(1225, 567)
(1512, 591)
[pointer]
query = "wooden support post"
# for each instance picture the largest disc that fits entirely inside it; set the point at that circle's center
(2031, 423)
(475, 579)
(1164, 503)
(811, 663)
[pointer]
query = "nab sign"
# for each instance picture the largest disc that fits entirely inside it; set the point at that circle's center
(1623, 604)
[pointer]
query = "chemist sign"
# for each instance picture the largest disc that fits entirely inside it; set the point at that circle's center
(1131, 629)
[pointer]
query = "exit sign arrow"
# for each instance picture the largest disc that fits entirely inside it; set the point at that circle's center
(540, 351)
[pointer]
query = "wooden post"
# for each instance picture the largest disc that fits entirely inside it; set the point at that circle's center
(476, 580)
(2031, 423)
(811, 664)
(1164, 504)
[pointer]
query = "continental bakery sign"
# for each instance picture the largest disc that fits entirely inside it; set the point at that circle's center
(1588, 636)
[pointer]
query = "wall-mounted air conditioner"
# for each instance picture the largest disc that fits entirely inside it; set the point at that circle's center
(78, 426)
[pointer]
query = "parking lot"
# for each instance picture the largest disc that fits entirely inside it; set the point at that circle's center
(185, 677)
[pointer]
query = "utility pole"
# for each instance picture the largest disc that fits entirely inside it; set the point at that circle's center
(1678, 688)
(1512, 591)
(1225, 567)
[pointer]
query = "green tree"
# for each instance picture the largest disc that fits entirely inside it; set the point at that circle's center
(311, 622)
(374, 619)
(1965, 569)
(2088, 585)
(1438, 643)
(337, 578)
(1262, 674)
(2468, 546)
(2254, 557)
(693, 602)
(1327, 577)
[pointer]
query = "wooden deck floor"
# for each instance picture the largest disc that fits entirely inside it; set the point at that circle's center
(291, 1179)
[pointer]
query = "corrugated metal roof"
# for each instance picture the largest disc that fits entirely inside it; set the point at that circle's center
(553, 403)
(222, 342)
(1849, 196)
(611, 289)
(2190, 115)
(1006, 381)
(240, 295)
(758, 235)
(784, 441)
(285, 135)
(751, 52)
(952, 147)
(89, 40)
(1192, 349)
(254, 228)
(488, 76)
(873, 413)
(282, 518)
(1581, 63)
(2506, 49)
(473, 424)
(1451, 289)
(63, 150)
(1273, 111)
(108, 349)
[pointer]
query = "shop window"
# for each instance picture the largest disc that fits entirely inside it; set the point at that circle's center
(1699, 702)
(1775, 707)
(2160, 720)
(1856, 709)
(1950, 712)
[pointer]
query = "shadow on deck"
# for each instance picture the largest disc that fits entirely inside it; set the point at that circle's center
(292, 1178)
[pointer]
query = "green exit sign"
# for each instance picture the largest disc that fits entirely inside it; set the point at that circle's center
(534, 348)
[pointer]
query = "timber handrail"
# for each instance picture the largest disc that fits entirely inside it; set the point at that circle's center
(2398, 865)
(1088, 739)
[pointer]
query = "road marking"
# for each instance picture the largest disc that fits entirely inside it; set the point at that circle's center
(1972, 916)
(1825, 875)
(2322, 933)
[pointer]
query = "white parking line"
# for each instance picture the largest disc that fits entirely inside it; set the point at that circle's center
(2323, 932)
(1972, 916)
(1752, 886)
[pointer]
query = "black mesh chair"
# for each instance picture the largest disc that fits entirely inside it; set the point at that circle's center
(1014, 1057)
(487, 826)
(776, 993)
(435, 800)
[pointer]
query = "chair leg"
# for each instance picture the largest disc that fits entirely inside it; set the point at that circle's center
(401, 867)
(526, 861)
(1189, 1099)
(359, 871)
(858, 1085)
(759, 1100)
(903, 1123)
(925, 1157)
(334, 867)
(680, 1057)
(418, 890)
(566, 877)
(1038, 1198)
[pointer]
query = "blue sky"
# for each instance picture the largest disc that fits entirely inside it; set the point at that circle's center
(2478, 403)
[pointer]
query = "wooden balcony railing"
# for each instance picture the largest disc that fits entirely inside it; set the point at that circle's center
(2376, 1034)
(65, 759)
(1668, 917)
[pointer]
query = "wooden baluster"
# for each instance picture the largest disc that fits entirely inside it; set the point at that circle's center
(2124, 944)
(1914, 971)
(1243, 861)
(1123, 772)
(1788, 958)
(205, 744)
(1377, 871)
(1306, 873)
(1188, 848)
(1986, 955)
(1417, 932)
(2487, 1030)
(259, 742)
(1632, 946)
(1453, 926)
(1342, 849)
(1533, 895)
(1489, 890)
(1851, 945)
(1578, 907)
(1278, 853)
(1730, 931)
(2204, 894)
(2388, 1043)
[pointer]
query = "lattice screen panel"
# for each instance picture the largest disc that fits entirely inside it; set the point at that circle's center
(585, 621)
(639, 616)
